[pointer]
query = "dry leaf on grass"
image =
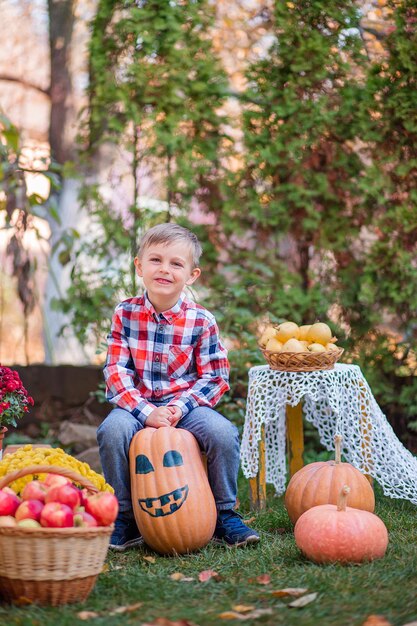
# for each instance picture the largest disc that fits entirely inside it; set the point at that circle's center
(251, 615)
(149, 559)
(129, 608)
(303, 601)
(295, 592)
(250, 520)
(207, 574)
(163, 621)
(105, 568)
(243, 608)
(376, 620)
(177, 576)
(263, 579)
(86, 615)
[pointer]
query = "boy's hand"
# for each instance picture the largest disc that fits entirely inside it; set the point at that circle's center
(176, 414)
(161, 416)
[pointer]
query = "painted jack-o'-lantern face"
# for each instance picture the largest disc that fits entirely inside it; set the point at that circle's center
(167, 503)
(172, 500)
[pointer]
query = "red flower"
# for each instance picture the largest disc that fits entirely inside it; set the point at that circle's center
(14, 398)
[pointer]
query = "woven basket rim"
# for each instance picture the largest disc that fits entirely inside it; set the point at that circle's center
(302, 361)
(61, 533)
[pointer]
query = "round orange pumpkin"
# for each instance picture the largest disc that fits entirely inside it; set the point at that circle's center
(321, 482)
(173, 504)
(330, 533)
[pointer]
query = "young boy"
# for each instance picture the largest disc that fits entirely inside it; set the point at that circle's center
(166, 367)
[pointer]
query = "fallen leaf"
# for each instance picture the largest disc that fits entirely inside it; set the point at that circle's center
(163, 621)
(230, 615)
(263, 579)
(295, 592)
(207, 574)
(303, 601)
(243, 608)
(257, 613)
(129, 608)
(251, 615)
(250, 520)
(150, 559)
(116, 567)
(177, 576)
(85, 615)
(105, 568)
(376, 620)
(187, 579)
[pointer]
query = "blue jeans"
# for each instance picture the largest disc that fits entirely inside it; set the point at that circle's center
(217, 437)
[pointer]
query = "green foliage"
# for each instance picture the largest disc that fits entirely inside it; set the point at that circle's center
(156, 90)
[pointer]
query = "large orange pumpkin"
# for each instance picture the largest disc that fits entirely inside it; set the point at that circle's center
(330, 533)
(321, 482)
(173, 504)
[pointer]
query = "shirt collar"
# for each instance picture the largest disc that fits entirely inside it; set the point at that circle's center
(171, 314)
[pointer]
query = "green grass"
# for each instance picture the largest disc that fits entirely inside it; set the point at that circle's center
(346, 594)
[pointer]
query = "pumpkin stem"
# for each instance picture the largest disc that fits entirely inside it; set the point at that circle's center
(338, 448)
(342, 499)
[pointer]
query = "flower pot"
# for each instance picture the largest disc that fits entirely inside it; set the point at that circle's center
(3, 431)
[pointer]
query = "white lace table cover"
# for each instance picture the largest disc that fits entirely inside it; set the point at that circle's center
(334, 401)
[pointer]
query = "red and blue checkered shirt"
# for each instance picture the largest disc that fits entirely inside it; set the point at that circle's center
(175, 357)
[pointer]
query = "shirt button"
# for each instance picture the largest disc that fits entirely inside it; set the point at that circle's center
(161, 328)
(157, 358)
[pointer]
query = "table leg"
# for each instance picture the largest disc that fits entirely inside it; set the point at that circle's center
(257, 484)
(295, 437)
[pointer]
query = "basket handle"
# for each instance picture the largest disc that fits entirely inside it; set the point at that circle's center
(48, 469)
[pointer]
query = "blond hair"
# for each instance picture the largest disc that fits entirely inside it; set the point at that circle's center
(168, 233)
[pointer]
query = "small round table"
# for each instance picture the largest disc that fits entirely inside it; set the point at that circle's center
(336, 401)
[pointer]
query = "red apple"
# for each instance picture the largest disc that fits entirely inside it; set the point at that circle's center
(103, 506)
(53, 480)
(82, 518)
(29, 509)
(8, 502)
(57, 515)
(84, 494)
(6, 521)
(65, 494)
(35, 490)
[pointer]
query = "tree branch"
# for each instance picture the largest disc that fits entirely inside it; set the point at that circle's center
(24, 83)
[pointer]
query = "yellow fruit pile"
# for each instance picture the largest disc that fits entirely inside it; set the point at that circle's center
(27, 455)
(289, 337)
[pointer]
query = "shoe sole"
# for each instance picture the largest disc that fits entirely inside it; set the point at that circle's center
(252, 540)
(132, 543)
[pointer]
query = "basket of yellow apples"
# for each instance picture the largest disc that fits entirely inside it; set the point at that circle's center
(292, 348)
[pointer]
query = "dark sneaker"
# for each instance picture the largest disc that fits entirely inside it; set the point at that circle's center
(231, 530)
(126, 534)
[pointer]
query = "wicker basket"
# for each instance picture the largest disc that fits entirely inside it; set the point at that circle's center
(302, 361)
(50, 566)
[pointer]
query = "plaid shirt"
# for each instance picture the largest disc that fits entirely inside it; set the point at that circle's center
(175, 357)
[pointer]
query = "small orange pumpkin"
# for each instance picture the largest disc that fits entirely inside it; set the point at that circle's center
(321, 482)
(172, 501)
(330, 533)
